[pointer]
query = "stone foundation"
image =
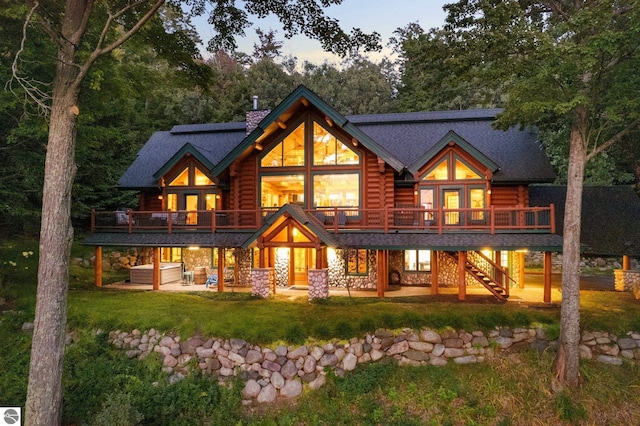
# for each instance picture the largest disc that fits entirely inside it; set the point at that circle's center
(318, 283)
(262, 282)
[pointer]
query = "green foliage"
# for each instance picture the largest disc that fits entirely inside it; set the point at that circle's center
(568, 410)
(103, 387)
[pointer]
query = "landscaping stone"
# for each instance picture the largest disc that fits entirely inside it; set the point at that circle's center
(285, 371)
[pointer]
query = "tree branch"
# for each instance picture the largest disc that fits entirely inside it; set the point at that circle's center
(31, 87)
(597, 150)
(98, 52)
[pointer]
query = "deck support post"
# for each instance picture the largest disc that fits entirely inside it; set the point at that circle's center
(220, 269)
(462, 272)
(547, 277)
(383, 271)
(434, 272)
(521, 269)
(97, 266)
(156, 268)
(626, 262)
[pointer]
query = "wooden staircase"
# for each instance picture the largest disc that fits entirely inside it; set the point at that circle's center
(492, 276)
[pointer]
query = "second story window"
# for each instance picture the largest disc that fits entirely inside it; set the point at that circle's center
(288, 153)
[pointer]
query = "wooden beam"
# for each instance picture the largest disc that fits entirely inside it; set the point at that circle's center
(383, 278)
(626, 262)
(547, 277)
(434, 272)
(220, 270)
(521, 270)
(97, 266)
(281, 124)
(462, 272)
(156, 268)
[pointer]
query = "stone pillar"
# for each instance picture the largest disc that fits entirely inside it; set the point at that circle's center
(318, 283)
(261, 282)
(627, 280)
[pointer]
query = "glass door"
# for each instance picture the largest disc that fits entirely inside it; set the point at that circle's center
(191, 205)
(301, 260)
(451, 200)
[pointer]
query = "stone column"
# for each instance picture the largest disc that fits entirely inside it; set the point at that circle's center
(262, 282)
(318, 283)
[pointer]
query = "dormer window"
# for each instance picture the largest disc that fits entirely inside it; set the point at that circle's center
(460, 171)
(192, 176)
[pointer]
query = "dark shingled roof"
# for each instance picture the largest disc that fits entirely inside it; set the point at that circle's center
(408, 135)
(467, 241)
(610, 217)
(176, 239)
(214, 141)
(399, 138)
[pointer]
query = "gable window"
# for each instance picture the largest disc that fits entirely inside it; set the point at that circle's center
(310, 166)
(357, 262)
(191, 176)
(328, 150)
(460, 170)
(190, 188)
(417, 260)
(288, 153)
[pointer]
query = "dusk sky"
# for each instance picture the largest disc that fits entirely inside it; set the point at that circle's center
(383, 16)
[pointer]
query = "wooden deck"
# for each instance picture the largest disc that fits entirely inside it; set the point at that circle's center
(411, 219)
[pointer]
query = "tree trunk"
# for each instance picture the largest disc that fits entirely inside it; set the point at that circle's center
(566, 366)
(44, 393)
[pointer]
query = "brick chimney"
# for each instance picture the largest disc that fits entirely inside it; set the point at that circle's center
(255, 115)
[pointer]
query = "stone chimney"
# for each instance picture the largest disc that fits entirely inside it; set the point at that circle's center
(255, 115)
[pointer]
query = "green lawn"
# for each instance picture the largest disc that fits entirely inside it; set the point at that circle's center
(103, 387)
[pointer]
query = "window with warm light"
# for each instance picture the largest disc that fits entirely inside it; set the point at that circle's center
(328, 150)
(278, 190)
(460, 170)
(289, 152)
(417, 260)
(336, 190)
(332, 169)
(357, 262)
(182, 179)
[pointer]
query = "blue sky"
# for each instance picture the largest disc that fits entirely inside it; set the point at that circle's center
(383, 16)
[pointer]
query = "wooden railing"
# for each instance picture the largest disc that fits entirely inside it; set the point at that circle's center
(391, 219)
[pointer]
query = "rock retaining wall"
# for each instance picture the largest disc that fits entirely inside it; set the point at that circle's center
(285, 371)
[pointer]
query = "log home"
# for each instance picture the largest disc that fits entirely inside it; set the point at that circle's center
(303, 196)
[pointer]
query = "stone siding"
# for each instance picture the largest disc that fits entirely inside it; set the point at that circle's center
(318, 284)
(262, 280)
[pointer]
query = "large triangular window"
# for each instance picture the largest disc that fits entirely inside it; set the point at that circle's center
(329, 151)
(289, 152)
(460, 170)
(182, 179)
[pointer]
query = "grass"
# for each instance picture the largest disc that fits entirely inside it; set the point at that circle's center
(103, 387)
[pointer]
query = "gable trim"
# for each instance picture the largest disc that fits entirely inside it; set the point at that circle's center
(452, 136)
(307, 97)
(185, 150)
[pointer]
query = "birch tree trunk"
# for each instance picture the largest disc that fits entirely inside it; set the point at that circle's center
(566, 365)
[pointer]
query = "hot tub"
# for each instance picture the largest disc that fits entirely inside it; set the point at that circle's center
(143, 274)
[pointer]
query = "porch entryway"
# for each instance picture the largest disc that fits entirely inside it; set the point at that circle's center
(300, 262)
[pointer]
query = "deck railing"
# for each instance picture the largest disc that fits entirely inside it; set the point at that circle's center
(391, 219)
